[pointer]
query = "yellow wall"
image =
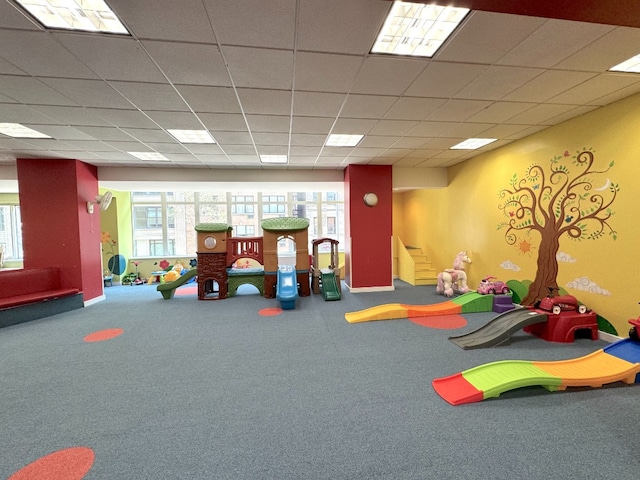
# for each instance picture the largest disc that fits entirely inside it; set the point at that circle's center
(465, 215)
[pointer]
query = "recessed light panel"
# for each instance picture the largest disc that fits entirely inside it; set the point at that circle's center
(632, 65)
(149, 156)
(473, 143)
(192, 136)
(342, 140)
(85, 15)
(273, 158)
(16, 130)
(417, 29)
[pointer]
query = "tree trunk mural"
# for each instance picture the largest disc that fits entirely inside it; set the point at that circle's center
(557, 202)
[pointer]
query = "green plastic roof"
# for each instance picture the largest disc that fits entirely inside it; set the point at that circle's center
(290, 224)
(212, 227)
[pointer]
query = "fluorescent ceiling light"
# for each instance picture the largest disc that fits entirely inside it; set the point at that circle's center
(340, 140)
(192, 136)
(20, 131)
(85, 15)
(632, 65)
(273, 158)
(417, 29)
(473, 143)
(149, 156)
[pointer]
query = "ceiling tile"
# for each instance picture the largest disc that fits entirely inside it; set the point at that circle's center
(31, 90)
(233, 122)
(393, 127)
(89, 93)
(259, 67)
(72, 115)
(111, 57)
(458, 110)
(590, 91)
(387, 75)
(353, 24)
(497, 82)
(316, 104)
(605, 52)
(500, 111)
(320, 125)
(242, 22)
(485, 37)
(367, 106)
(443, 79)
(210, 99)
(177, 120)
(540, 114)
(189, 63)
(265, 102)
(323, 72)
(548, 85)
(166, 19)
(32, 52)
(124, 118)
(413, 108)
(151, 96)
(269, 123)
(553, 42)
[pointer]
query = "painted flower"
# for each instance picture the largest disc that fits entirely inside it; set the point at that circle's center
(164, 264)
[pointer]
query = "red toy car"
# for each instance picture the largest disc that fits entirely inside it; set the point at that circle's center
(491, 285)
(561, 303)
(633, 332)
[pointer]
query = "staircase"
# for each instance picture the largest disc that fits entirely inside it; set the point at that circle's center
(424, 273)
(414, 266)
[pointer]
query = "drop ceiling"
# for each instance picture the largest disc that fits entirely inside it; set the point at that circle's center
(277, 77)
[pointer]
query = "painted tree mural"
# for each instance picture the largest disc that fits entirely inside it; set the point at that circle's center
(555, 202)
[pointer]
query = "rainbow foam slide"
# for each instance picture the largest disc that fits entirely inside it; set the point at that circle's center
(471, 302)
(613, 364)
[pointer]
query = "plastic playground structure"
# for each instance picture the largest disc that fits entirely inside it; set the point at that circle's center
(223, 263)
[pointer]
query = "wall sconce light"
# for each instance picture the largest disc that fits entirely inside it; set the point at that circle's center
(370, 199)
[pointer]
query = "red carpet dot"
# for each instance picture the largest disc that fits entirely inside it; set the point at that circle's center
(270, 312)
(103, 335)
(68, 464)
(444, 322)
(187, 291)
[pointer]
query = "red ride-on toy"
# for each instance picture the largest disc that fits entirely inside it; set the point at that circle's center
(633, 332)
(560, 303)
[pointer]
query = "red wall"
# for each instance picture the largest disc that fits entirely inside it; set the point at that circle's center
(368, 253)
(57, 230)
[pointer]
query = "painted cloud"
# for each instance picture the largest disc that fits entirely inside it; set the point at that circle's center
(586, 285)
(565, 257)
(509, 265)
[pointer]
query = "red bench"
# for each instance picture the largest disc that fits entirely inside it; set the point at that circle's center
(24, 288)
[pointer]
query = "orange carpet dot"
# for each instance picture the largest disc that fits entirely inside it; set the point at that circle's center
(103, 335)
(270, 312)
(68, 464)
(443, 322)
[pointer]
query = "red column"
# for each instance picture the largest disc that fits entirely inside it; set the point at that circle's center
(57, 229)
(368, 253)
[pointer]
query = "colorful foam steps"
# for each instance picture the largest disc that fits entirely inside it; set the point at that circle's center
(502, 303)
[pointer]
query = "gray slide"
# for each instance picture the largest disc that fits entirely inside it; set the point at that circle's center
(500, 329)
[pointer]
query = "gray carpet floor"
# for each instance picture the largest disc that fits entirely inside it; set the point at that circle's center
(214, 390)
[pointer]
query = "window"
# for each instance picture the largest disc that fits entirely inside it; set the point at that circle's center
(11, 232)
(164, 222)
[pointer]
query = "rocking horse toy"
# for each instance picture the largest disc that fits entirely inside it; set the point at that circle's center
(454, 279)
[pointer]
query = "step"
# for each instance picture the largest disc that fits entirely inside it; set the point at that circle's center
(424, 267)
(426, 274)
